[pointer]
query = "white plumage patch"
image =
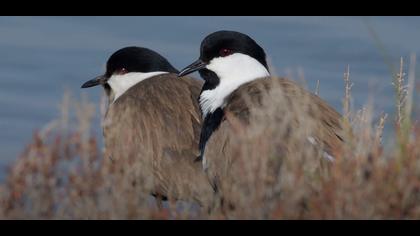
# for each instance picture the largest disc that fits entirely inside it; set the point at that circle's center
(204, 163)
(326, 155)
(121, 83)
(233, 71)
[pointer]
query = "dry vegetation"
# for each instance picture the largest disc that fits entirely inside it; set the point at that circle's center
(62, 174)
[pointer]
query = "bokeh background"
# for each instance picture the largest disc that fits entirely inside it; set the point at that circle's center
(41, 57)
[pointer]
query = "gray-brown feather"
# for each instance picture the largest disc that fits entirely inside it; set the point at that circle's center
(157, 123)
(275, 99)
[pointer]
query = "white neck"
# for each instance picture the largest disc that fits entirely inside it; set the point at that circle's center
(233, 71)
(121, 83)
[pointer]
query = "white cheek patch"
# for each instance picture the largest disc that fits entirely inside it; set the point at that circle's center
(121, 83)
(233, 71)
(237, 66)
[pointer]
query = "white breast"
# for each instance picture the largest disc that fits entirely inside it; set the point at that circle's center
(121, 83)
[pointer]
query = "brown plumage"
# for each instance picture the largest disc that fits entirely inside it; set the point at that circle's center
(327, 128)
(327, 119)
(156, 123)
(284, 107)
(253, 122)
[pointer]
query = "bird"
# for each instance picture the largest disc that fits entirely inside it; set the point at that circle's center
(153, 119)
(237, 83)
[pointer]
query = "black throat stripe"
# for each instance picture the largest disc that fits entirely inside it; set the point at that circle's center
(211, 123)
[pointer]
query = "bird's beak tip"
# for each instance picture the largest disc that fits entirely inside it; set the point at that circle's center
(185, 71)
(195, 66)
(94, 82)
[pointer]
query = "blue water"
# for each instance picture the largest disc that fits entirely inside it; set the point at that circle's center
(43, 56)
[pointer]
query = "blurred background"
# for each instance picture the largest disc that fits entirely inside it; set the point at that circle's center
(41, 57)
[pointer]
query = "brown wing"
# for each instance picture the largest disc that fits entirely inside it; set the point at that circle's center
(156, 125)
(286, 97)
(324, 121)
(271, 113)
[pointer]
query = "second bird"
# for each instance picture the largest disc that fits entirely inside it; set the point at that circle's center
(153, 120)
(238, 87)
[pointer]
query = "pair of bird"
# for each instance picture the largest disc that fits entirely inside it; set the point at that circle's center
(154, 110)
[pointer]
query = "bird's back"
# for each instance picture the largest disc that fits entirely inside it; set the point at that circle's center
(269, 118)
(156, 125)
(288, 100)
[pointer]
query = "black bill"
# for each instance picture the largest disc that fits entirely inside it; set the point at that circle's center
(96, 81)
(195, 66)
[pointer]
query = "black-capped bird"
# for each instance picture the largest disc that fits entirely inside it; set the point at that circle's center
(237, 77)
(153, 118)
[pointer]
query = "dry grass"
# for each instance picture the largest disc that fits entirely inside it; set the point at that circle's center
(62, 174)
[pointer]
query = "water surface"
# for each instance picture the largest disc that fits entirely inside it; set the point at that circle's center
(43, 56)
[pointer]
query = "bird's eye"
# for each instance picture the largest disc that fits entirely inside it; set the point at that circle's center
(225, 52)
(122, 71)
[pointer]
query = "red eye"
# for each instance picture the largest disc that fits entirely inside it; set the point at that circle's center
(122, 71)
(225, 52)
